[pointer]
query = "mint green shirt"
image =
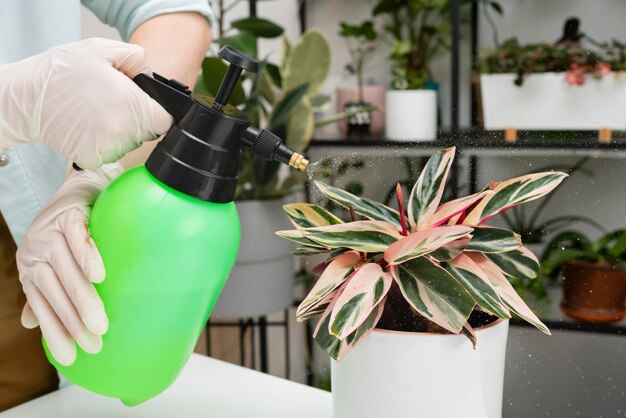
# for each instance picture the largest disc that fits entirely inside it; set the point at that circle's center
(30, 174)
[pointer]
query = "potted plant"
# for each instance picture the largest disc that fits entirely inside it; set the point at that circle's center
(411, 281)
(554, 86)
(594, 285)
(534, 227)
(362, 41)
(418, 33)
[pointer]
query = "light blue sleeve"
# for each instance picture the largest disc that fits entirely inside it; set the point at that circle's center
(127, 15)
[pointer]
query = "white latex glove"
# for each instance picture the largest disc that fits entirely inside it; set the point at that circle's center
(79, 99)
(58, 261)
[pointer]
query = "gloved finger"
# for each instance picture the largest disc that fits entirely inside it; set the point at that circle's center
(157, 120)
(81, 292)
(127, 58)
(59, 341)
(73, 224)
(29, 320)
(57, 298)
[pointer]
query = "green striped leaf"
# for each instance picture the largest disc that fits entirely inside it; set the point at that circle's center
(450, 250)
(468, 331)
(506, 291)
(307, 251)
(428, 189)
(520, 263)
(335, 274)
(514, 192)
(366, 207)
(318, 307)
(306, 215)
(423, 242)
(473, 279)
(364, 290)
(365, 236)
(296, 235)
(493, 240)
(434, 293)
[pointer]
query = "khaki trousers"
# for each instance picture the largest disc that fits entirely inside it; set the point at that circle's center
(24, 371)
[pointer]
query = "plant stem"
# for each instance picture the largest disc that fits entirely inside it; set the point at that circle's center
(400, 197)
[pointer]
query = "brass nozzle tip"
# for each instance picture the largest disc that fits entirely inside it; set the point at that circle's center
(298, 162)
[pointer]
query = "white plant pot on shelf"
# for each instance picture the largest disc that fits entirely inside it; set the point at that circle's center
(411, 115)
(262, 280)
(420, 375)
(546, 102)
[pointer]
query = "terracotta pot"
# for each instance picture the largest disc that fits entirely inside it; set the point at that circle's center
(593, 292)
(374, 95)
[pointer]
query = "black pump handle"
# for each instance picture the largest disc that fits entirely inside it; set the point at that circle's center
(238, 62)
(174, 96)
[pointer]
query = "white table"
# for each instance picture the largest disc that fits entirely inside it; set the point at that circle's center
(206, 388)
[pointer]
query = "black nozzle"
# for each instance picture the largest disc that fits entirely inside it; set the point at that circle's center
(238, 62)
(270, 147)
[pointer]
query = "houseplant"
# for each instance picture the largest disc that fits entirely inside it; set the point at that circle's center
(594, 285)
(533, 226)
(410, 281)
(418, 33)
(362, 41)
(562, 86)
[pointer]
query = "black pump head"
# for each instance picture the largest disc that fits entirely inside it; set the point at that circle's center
(200, 154)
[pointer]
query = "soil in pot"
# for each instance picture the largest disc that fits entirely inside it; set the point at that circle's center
(399, 316)
(593, 292)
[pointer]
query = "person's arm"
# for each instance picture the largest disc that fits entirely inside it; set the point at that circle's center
(175, 45)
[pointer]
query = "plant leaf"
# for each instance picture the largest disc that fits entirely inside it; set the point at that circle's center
(366, 236)
(493, 240)
(308, 62)
(434, 293)
(513, 192)
(423, 242)
(520, 263)
(285, 107)
(468, 331)
(366, 207)
(364, 290)
(300, 126)
(318, 307)
(306, 215)
(243, 41)
(428, 189)
(473, 279)
(333, 276)
(307, 251)
(297, 235)
(261, 28)
(450, 250)
(506, 292)
(453, 208)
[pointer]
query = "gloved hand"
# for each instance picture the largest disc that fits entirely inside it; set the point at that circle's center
(58, 261)
(79, 100)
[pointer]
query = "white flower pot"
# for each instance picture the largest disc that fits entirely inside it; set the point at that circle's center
(262, 280)
(545, 101)
(420, 375)
(411, 115)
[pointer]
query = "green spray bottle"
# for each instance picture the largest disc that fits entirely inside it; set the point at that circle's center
(168, 233)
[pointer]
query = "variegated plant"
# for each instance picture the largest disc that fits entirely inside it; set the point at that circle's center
(442, 257)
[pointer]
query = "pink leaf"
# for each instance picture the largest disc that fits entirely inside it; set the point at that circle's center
(337, 272)
(453, 208)
(423, 242)
(365, 289)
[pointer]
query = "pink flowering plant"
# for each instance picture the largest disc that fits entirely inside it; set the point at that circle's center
(432, 264)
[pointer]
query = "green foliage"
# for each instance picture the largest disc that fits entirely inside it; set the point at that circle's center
(361, 40)
(595, 59)
(573, 245)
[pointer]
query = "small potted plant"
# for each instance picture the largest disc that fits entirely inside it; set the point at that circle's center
(399, 287)
(554, 86)
(362, 42)
(594, 285)
(418, 32)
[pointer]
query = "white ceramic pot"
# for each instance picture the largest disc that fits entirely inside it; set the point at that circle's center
(546, 101)
(262, 280)
(419, 375)
(411, 115)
